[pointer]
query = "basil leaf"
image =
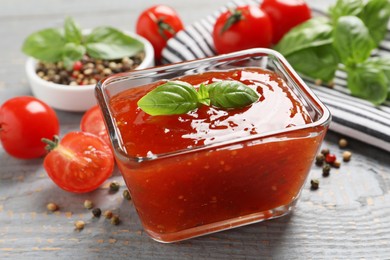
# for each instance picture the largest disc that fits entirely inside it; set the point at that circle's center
(314, 32)
(171, 98)
(368, 81)
(45, 45)
(383, 64)
(352, 40)
(345, 8)
(72, 31)
(203, 95)
(109, 43)
(320, 62)
(72, 52)
(231, 94)
(376, 15)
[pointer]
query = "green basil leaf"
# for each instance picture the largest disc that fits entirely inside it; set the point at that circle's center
(45, 45)
(231, 94)
(171, 98)
(352, 40)
(203, 95)
(314, 32)
(320, 62)
(109, 43)
(72, 31)
(345, 8)
(376, 15)
(72, 52)
(369, 82)
(382, 63)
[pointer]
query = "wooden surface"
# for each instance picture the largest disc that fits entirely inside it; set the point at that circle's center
(348, 217)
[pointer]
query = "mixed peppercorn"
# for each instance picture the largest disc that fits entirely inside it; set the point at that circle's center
(86, 71)
(95, 211)
(328, 160)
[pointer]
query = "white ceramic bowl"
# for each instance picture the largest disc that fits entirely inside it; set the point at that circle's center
(74, 98)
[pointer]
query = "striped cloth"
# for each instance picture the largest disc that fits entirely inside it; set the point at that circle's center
(351, 116)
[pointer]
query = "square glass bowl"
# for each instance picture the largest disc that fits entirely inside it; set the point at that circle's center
(213, 187)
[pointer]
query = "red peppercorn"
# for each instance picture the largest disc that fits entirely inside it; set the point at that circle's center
(77, 65)
(330, 158)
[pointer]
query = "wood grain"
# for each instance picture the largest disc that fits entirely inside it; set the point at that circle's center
(348, 217)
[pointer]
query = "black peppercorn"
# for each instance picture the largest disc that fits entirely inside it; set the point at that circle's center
(315, 184)
(97, 212)
(114, 186)
(326, 170)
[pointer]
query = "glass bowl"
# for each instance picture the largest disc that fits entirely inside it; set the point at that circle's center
(219, 185)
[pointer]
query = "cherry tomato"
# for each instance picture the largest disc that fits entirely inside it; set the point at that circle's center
(92, 122)
(158, 24)
(80, 162)
(285, 14)
(24, 121)
(242, 28)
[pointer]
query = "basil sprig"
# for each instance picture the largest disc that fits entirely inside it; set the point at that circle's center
(345, 40)
(69, 44)
(178, 97)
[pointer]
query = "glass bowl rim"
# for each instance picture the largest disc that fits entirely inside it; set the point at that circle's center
(102, 98)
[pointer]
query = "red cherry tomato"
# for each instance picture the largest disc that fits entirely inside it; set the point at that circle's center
(92, 122)
(24, 121)
(80, 162)
(158, 24)
(242, 28)
(285, 14)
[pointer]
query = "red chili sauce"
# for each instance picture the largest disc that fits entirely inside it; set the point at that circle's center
(178, 196)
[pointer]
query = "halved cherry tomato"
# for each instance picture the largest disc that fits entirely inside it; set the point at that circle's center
(285, 14)
(92, 122)
(24, 121)
(242, 28)
(158, 24)
(80, 162)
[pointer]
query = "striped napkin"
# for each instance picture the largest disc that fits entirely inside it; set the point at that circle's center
(351, 116)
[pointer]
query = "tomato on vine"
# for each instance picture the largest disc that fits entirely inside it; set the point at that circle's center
(285, 14)
(24, 121)
(242, 28)
(158, 24)
(79, 163)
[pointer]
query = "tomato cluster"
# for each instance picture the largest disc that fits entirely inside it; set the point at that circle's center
(244, 27)
(253, 26)
(80, 162)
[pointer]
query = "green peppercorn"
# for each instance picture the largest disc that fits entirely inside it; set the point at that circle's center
(315, 184)
(115, 220)
(97, 212)
(126, 195)
(325, 151)
(320, 158)
(114, 186)
(326, 170)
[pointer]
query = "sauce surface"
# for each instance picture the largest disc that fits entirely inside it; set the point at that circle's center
(145, 135)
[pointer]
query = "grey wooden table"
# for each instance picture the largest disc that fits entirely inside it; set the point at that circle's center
(348, 217)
